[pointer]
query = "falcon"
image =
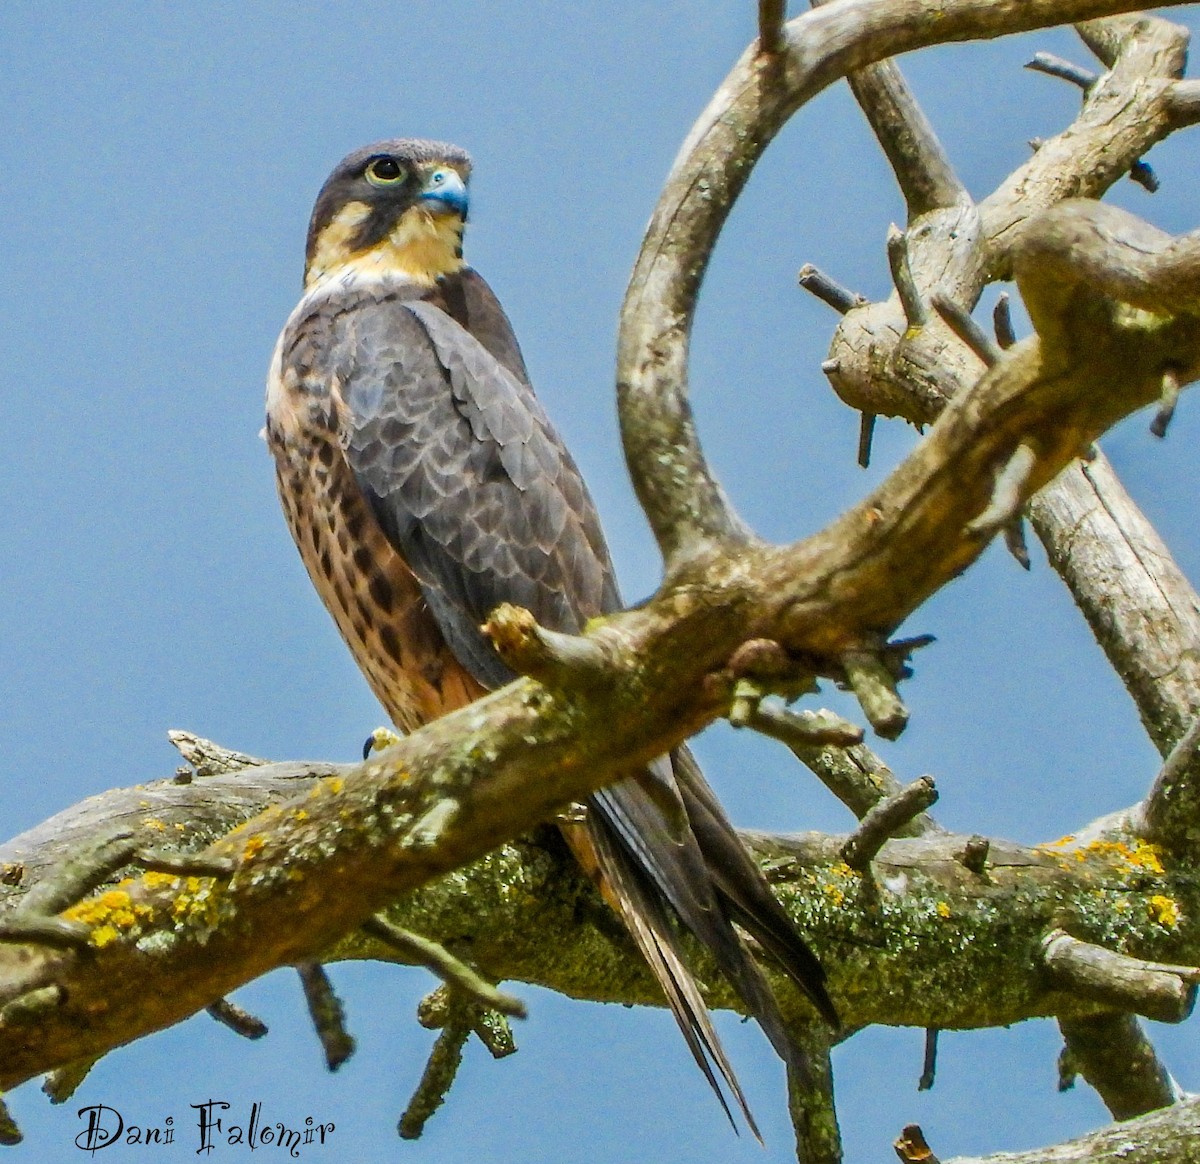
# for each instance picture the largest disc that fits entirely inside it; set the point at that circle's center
(424, 485)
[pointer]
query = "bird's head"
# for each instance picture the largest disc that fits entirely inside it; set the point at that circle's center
(392, 207)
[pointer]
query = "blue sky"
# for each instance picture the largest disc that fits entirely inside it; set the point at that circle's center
(156, 173)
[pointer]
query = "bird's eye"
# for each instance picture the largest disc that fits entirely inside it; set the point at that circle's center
(385, 172)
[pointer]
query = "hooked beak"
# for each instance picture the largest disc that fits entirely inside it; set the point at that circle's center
(445, 192)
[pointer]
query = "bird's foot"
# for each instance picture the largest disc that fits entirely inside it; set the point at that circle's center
(379, 739)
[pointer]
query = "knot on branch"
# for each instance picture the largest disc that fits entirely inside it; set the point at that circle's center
(885, 820)
(975, 855)
(551, 657)
(872, 671)
(762, 667)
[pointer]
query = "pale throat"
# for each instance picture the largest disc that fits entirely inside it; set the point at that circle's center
(422, 247)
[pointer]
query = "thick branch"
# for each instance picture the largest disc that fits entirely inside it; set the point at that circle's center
(954, 949)
(1140, 606)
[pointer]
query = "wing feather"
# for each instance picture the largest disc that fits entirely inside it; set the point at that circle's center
(465, 475)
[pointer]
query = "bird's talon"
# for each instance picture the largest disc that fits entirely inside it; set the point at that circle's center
(379, 739)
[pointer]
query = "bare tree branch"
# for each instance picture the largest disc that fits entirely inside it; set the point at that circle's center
(1183, 103)
(1112, 1053)
(1140, 606)
(771, 15)
(923, 170)
(1118, 981)
(684, 504)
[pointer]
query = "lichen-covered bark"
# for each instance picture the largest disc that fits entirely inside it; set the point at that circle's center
(954, 948)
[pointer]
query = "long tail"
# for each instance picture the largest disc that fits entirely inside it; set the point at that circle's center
(648, 921)
(658, 844)
(740, 883)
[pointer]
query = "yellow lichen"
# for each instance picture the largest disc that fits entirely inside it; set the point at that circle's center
(1137, 856)
(1148, 857)
(154, 823)
(197, 903)
(1163, 910)
(103, 936)
(943, 909)
(108, 914)
(253, 846)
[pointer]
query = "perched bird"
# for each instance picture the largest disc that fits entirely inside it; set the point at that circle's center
(424, 485)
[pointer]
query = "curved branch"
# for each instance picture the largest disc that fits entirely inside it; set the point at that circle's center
(685, 505)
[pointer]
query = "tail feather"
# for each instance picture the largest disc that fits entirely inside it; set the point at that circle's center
(741, 885)
(659, 844)
(648, 923)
